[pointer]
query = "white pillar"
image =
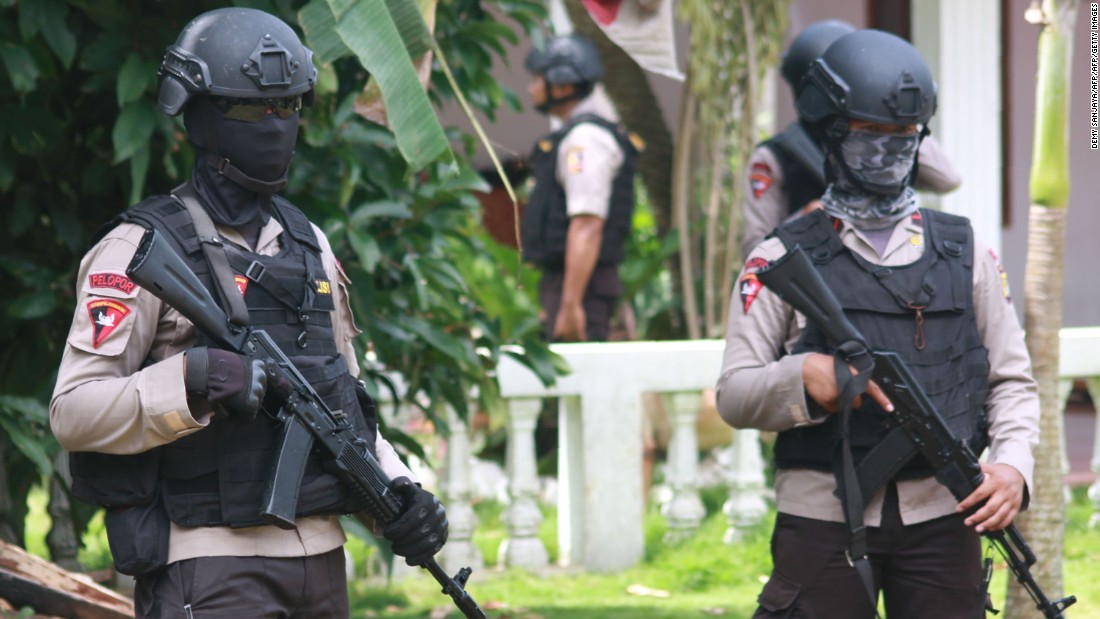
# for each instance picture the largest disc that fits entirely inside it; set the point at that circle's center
(522, 547)
(459, 551)
(962, 43)
(684, 510)
(745, 506)
(600, 473)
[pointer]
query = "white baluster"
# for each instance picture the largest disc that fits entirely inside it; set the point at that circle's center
(684, 510)
(1094, 490)
(459, 551)
(1065, 387)
(522, 547)
(746, 506)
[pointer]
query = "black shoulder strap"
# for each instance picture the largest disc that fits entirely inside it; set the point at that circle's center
(631, 144)
(295, 224)
(796, 142)
(214, 251)
(814, 233)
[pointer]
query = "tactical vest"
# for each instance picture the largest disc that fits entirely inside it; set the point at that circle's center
(940, 343)
(802, 163)
(545, 223)
(216, 477)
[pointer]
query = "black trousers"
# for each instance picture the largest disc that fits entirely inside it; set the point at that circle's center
(603, 291)
(255, 587)
(925, 570)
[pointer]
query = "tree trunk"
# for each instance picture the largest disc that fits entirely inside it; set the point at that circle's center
(1043, 525)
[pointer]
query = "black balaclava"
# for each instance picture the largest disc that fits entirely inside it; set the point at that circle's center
(239, 164)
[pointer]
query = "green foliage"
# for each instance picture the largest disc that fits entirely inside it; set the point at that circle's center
(82, 135)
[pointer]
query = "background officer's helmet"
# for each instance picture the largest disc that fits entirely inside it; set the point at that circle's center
(235, 53)
(867, 75)
(571, 59)
(808, 46)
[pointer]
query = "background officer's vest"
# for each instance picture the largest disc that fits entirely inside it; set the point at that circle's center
(216, 476)
(802, 163)
(952, 366)
(545, 223)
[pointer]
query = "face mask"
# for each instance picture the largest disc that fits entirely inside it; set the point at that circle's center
(879, 163)
(261, 149)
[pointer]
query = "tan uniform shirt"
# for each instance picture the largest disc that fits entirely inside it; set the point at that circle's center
(589, 159)
(108, 400)
(758, 388)
(766, 194)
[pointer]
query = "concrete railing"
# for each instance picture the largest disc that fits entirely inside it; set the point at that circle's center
(600, 496)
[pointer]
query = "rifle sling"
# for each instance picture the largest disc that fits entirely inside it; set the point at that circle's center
(214, 251)
(847, 483)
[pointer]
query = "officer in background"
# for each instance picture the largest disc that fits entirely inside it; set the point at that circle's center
(578, 213)
(913, 281)
(785, 175)
(173, 434)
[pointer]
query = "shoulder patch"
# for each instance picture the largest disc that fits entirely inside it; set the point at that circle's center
(111, 281)
(242, 283)
(106, 315)
(760, 178)
(1004, 276)
(574, 160)
(749, 285)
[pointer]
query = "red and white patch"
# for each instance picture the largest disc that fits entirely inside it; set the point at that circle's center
(760, 179)
(111, 281)
(749, 287)
(754, 265)
(916, 218)
(107, 315)
(242, 283)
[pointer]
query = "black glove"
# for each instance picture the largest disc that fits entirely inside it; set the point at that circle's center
(233, 384)
(421, 530)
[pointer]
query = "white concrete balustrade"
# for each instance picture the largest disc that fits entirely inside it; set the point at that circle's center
(600, 494)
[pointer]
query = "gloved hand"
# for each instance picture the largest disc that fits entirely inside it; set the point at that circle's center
(421, 530)
(234, 385)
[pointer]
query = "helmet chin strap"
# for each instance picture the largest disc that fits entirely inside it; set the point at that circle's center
(580, 91)
(232, 172)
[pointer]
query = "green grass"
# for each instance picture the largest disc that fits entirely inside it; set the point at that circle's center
(702, 576)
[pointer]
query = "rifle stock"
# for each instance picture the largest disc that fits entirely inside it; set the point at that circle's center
(794, 279)
(305, 418)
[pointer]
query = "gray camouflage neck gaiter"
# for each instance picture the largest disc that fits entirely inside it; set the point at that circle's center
(878, 161)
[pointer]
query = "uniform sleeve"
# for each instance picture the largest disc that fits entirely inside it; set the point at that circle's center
(589, 159)
(765, 198)
(343, 326)
(935, 171)
(1013, 401)
(760, 387)
(107, 397)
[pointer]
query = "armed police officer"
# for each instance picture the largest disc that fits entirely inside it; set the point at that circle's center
(578, 214)
(172, 434)
(785, 175)
(913, 281)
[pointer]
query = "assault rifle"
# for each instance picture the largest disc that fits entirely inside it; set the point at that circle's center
(304, 416)
(795, 280)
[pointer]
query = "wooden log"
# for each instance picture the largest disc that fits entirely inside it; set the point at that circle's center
(27, 580)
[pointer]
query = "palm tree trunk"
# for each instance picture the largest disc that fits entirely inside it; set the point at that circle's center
(1044, 523)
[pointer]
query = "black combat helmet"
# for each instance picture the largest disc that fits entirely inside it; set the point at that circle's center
(868, 75)
(235, 52)
(808, 46)
(571, 59)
